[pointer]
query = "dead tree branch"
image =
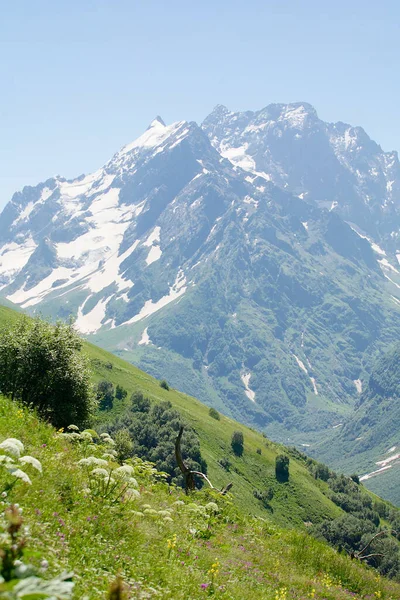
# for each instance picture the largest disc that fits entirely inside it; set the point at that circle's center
(188, 473)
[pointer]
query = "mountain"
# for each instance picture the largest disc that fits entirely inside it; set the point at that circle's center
(370, 440)
(250, 261)
(259, 533)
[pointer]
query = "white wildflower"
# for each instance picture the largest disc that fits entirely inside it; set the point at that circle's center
(131, 494)
(168, 520)
(212, 507)
(30, 460)
(100, 473)
(92, 460)
(73, 428)
(5, 459)
(11, 447)
(20, 475)
(124, 471)
(86, 436)
(108, 455)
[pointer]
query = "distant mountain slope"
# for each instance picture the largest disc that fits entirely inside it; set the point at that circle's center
(370, 440)
(250, 261)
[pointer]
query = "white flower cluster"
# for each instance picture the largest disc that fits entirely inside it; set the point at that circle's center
(10, 452)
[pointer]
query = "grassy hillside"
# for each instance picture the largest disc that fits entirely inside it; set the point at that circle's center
(260, 551)
(163, 543)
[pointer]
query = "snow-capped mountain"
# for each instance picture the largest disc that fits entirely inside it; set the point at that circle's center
(335, 165)
(250, 261)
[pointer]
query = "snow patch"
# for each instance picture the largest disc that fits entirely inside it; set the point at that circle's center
(245, 377)
(92, 321)
(154, 254)
(144, 340)
(175, 291)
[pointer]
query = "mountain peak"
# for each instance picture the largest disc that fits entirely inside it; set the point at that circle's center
(156, 122)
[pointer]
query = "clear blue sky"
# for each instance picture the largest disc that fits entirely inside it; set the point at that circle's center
(80, 78)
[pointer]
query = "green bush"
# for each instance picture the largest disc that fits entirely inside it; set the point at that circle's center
(42, 366)
(214, 414)
(282, 467)
(164, 385)
(237, 443)
(120, 393)
(105, 395)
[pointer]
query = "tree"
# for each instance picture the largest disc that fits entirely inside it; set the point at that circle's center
(282, 467)
(105, 394)
(214, 414)
(120, 392)
(237, 443)
(42, 366)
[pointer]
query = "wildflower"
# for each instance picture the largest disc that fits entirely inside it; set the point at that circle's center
(214, 569)
(131, 494)
(44, 446)
(212, 507)
(171, 543)
(20, 475)
(30, 460)
(73, 428)
(125, 470)
(99, 472)
(204, 586)
(61, 430)
(12, 446)
(92, 460)
(378, 594)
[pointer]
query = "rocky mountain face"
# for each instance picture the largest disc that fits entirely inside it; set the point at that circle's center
(250, 261)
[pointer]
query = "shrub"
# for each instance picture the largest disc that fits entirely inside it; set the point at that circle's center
(214, 414)
(105, 395)
(123, 445)
(225, 463)
(120, 393)
(164, 385)
(265, 496)
(237, 443)
(282, 467)
(258, 450)
(42, 366)
(355, 478)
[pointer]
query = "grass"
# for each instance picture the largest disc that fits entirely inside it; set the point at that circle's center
(165, 544)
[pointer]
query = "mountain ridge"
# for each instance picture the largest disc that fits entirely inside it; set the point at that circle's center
(261, 278)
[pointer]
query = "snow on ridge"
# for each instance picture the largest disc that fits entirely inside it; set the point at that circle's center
(238, 156)
(177, 289)
(92, 321)
(373, 245)
(13, 256)
(154, 136)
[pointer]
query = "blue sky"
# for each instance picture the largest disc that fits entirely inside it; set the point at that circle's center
(80, 78)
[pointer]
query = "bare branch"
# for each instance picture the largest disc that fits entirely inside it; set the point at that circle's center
(188, 473)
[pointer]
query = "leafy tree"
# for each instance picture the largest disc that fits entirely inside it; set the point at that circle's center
(105, 395)
(164, 385)
(123, 445)
(282, 467)
(120, 393)
(214, 414)
(42, 366)
(139, 403)
(237, 443)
